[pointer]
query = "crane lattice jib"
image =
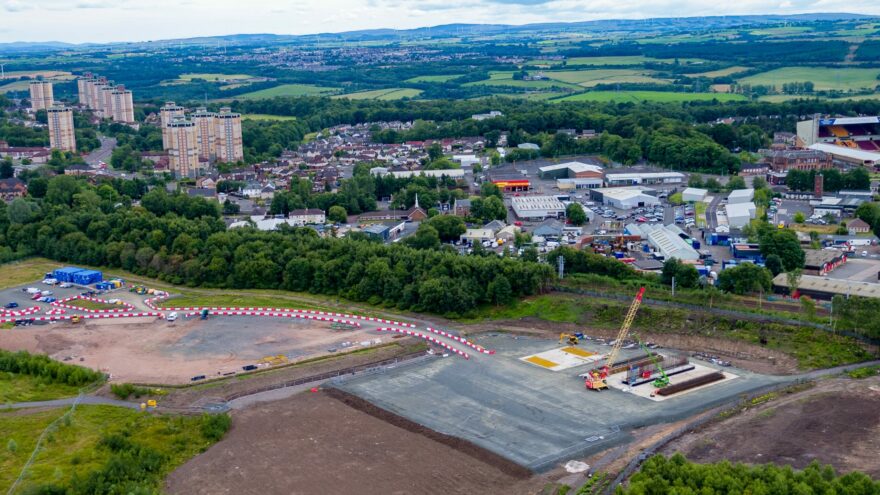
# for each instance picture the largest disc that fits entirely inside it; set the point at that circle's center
(624, 329)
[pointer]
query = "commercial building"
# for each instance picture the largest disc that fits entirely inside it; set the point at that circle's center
(537, 207)
(741, 196)
(477, 235)
(826, 288)
(512, 184)
(183, 150)
(168, 114)
(42, 95)
(385, 231)
(205, 129)
(453, 173)
(61, 132)
(849, 155)
(625, 198)
(694, 195)
(670, 242)
(796, 159)
(740, 214)
(227, 132)
(822, 261)
(853, 140)
(647, 178)
(858, 226)
(576, 184)
(121, 105)
(571, 170)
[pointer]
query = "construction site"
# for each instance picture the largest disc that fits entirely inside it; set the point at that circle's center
(506, 409)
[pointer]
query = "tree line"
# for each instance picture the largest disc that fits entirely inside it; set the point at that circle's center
(49, 370)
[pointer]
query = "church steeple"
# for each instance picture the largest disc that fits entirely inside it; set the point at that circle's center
(417, 201)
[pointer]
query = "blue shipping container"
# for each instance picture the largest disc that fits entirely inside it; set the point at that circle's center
(66, 274)
(87, 277)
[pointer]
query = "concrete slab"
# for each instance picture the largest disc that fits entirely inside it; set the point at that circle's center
(562, 358)
(645, 390)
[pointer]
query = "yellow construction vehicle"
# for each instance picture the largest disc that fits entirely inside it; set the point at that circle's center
(595, 379)
(75, 319)
(568, 338)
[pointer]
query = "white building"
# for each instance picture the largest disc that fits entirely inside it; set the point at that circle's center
(624, 198)
(739, 214)
(741, 196)
(693, 195)
(537, 207)
(308, 216)
(484, 116)
(478, 235)
(454, 173)
(634, 179)
(669, 243)
(466, 160)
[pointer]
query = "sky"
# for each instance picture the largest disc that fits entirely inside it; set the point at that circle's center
(83, 21)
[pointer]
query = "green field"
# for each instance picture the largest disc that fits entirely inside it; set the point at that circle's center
(86, 304)
(15, 86)
(658, 96)
(383, 94)
(781, 31)
(74, 446)
(288, 90)
(722, 72)
(24, 388)
(433, 79)
(506, 79)
(824, 78)
(780, 98)
(622, 60)
(214, 77)
(260, 116)
(25, 271)
(590, 78)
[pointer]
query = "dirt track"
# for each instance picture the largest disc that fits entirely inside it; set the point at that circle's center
(834, 423)
(314, 443)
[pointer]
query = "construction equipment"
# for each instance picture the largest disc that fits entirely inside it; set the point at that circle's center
(662, 380)
(569, 338)
(596, 378)
(75, 319)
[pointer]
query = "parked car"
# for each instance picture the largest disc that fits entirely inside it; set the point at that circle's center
(171, 316)
(11, 305)
(50, 281)
(66, 285)
(32, 290)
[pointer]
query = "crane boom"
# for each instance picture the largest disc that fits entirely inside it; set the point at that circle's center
(624, 328)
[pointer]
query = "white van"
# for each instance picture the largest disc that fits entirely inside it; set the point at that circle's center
(171, 316)
(32, 290)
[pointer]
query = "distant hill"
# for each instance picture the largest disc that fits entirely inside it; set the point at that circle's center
(682, 24)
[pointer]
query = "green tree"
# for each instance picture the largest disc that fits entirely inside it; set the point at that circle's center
(745, 278)
(230, 208)
(736, 182)
(686, 276)
(575, 214)
(785, 244)
(799, 217)
(448, 227)
(426, 237)
(774, 264)
(499, 291)
(6, 169)
(337, 214)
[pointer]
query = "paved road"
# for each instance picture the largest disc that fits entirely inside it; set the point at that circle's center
(88, 399)
(103, 153)
(711, 219)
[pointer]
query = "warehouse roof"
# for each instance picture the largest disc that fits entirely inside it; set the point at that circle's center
(576, 167)
(671, 245)
(535, 203)
(741, 194)
(741, 209)
(831, 285)
(694, 191)
(624, 193)
(855, 154)
(817, 258)
(645, 175)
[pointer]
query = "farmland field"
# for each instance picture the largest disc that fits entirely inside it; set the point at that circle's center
(289, 90)
(259, 116)
(436, 79)
(383, 94)
(723, 72)
(15, 86)
(824, 78)
(659, 96)
(590, 78)
(506, 79)
(781, 31)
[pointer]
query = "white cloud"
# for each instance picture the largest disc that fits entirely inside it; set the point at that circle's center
(122, 20)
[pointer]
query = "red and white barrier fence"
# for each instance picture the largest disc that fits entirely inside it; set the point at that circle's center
(124, 307)
(84, 317)
(276, 314)
(151, 304)
(56, 311)
(462, 340)
(23, 312)
(426, 337)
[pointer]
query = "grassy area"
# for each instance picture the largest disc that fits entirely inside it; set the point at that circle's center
(723, 72)
(261, 116)
(506, 79)
(822, 229)
(25, 388)
(590, 78)
(781, 31)
(15, 86)
(865, 372)
(700, 213)
(74, 446)
(26, 271)
(95, 305)
(659, 96)
(288, 90)
(383, 94)
(824, 78)
(622, 60)
(433, 79)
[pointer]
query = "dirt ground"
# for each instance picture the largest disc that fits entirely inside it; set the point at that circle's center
(836, 422)
(741, 354)
(315, 443)
(149, 350)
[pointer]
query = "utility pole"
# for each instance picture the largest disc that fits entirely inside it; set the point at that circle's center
(673, 286)
(560, 262)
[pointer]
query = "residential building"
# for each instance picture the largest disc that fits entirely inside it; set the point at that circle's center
(61, 132)
(205, 129)
(42, 96)
(183, 151)
(168, 114)
(858, 226)
(105, 100)
(121, 105)
(227, 132)
(307, 216)
(12, 188)
(82, 89)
